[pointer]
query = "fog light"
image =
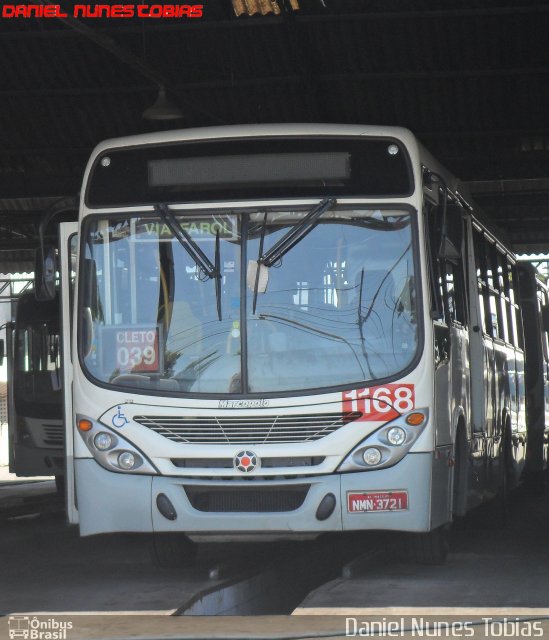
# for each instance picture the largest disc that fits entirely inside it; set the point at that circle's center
(326, 507)
(165, 507)
(371, 456)
(103, 441)
(396, 436)
(126, 460)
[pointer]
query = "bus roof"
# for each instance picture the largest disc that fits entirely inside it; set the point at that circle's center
(256, 130)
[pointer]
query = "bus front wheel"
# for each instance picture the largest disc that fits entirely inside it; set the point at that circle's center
(429, 548)
(60, 485)
(173, 550)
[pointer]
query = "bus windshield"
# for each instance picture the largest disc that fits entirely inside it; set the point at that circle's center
(336, 309)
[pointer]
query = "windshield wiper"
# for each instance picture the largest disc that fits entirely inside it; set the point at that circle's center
(209, 269)
(288, 240)
(296, 233)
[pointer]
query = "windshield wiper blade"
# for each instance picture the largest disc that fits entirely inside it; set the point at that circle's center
(217, 276)
(259, 256)
(209, 269)
(296, 233)
(185, 240)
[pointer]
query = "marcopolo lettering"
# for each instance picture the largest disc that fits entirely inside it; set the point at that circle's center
(243, 404)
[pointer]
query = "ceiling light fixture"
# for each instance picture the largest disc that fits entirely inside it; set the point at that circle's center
(163, 108)
(263, 7)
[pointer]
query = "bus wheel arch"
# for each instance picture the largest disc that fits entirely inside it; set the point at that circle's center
(495, 514)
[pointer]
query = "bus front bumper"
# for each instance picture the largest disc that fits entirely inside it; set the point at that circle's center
(109, 502)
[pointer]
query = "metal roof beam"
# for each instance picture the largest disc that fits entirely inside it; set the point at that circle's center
(232, 82)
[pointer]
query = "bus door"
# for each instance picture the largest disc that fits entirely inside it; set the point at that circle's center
(12, 431)
(68, 244)
(481, 358)
(545, 374)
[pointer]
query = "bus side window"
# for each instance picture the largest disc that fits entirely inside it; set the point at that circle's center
(432, 218)
(455, 293)
(448, 275)
(504, 306)
(516, 315)
(484, 279)
(493, 290)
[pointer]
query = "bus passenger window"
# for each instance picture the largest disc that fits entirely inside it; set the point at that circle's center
(455, 294)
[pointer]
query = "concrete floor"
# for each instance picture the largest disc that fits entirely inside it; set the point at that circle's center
(487, 570)
(46, 567)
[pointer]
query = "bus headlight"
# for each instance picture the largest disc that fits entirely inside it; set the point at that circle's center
(396, 436)
(388, 445)
(371, 456)
(104, 441)
(112, 451)
(127, 460)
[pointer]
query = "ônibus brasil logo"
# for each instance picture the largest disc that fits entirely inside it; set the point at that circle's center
(245, 461)
(33, 628)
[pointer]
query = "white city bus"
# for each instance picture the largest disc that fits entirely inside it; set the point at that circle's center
(35, 398)
(287, 329)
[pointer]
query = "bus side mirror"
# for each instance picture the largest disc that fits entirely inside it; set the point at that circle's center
(89, 304)
(44, 273)
(545, 317)
(2, 352)
(86, 328)
(89, 280)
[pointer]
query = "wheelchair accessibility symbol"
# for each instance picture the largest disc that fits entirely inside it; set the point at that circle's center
(119, 419)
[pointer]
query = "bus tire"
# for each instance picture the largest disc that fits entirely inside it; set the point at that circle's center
(497, 512)
(60, 485)
(494, 514)
(173, 550)
(429, 548)
(459, 484)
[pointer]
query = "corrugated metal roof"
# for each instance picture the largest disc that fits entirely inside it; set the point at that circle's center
(470, 77)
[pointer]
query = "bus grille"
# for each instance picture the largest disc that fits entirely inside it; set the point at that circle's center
(228, 463)
(54, 434)
(244, 500)
(247, 429)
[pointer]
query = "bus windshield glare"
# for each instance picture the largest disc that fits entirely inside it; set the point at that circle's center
(337, 308)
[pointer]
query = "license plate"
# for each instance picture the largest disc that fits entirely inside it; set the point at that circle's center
(364, 502)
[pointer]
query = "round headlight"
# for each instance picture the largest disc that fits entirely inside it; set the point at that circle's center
(396, 435)
(371, 456)
(126, 460)
(103, 441)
